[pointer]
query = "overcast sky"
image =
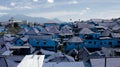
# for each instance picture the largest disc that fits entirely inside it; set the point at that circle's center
(62, 9)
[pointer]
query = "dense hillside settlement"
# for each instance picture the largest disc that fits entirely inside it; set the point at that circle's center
(66, 44)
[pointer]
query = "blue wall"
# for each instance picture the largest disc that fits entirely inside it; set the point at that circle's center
(98, 43)
(19, 42)
(93, 43)
(70, 46)
(91, 36)
(47, 44)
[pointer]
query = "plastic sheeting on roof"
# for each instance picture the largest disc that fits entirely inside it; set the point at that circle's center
(32, 61)
(23, 31)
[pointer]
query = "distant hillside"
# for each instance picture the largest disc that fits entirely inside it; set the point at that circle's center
(30, 19)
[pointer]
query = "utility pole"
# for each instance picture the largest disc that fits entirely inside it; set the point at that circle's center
(105, 62)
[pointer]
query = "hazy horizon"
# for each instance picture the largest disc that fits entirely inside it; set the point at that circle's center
(62, 9)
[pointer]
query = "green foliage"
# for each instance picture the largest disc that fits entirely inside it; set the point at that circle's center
(15, 25)
(13, 28)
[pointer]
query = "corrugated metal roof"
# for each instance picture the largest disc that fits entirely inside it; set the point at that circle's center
(64, 64)
(110, 62)
(33, 31)
(84, 25)
(75, 39)
(59, 57)
(43, 31)
(22, 31)
(2, 41)
(3, 62)
(53, 30)
(66, 32)
(66, 27)
(86, 31)
(106, 33)
(41, 37)
(115, 35)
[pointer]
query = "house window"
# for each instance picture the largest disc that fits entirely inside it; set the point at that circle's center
(20, 42)
(118, 41)
(95, 42)
(104, 42)
(37, 42)
(100, 43)
(44, 41)
(90, 42)
(110, 43)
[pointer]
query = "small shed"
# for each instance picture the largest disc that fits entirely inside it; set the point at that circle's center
(74, 43)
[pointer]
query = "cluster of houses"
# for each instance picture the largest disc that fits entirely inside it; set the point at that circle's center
(80, 40)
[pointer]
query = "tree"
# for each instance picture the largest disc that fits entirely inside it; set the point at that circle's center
(0, 24)
(16, 25)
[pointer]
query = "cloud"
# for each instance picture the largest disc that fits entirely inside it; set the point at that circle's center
(87, 8)
(35, 0)
(26, 7)
(12, 3)
(1, 13)
(22, 7)
(73, 2)
(52, 14)
(4, 8)
(59, 13)
(50, 1)
(84, 11)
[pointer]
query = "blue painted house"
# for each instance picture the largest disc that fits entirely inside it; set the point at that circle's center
(74, 43)
(50, 24)
(66, 32)
(45, 42)
(2, 29)
(18, 42)
(101, 42)
(65, 24)
(89, 34)
(53, 30)
(23, 25)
